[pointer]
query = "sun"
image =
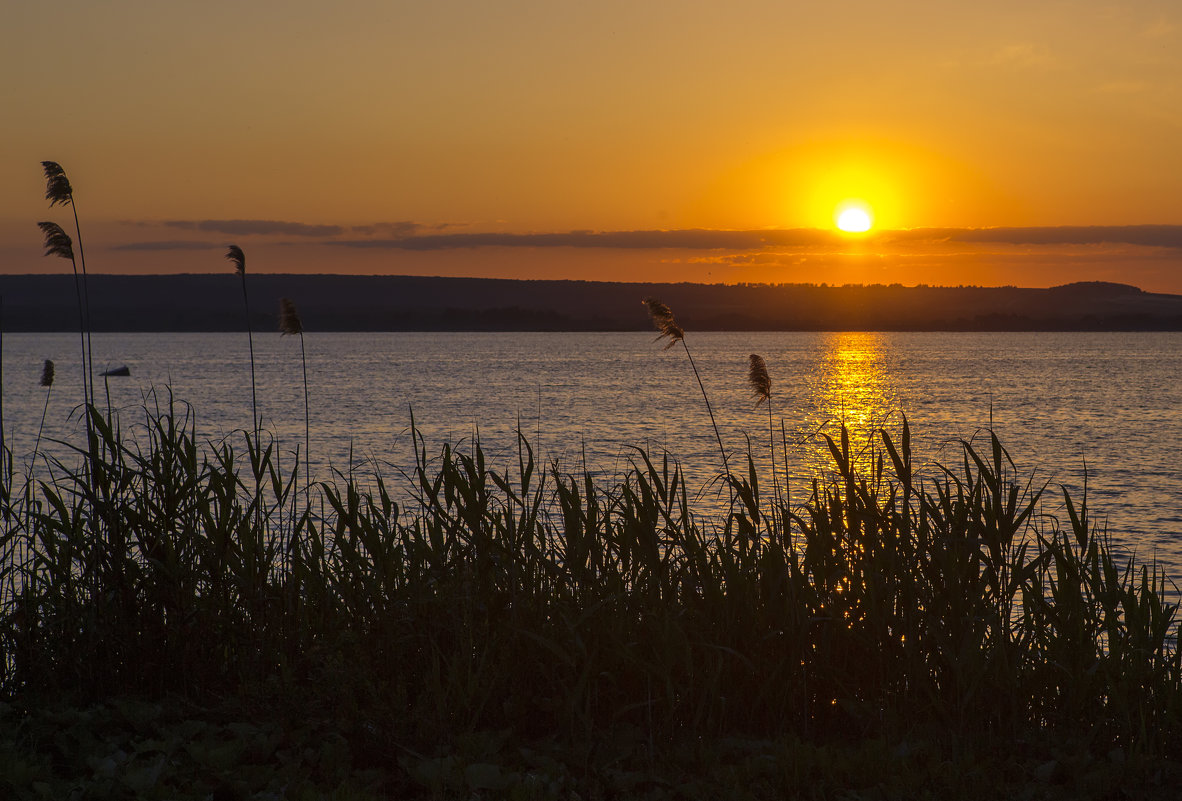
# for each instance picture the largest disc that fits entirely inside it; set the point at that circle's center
(854, 217)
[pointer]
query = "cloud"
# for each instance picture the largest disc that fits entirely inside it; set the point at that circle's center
(1168, 236)
(400, 229)
(1162, 236)
(756, 245)
(684, 239)
(759, 258)
(182, 244)
(256, 227)
(395, 229)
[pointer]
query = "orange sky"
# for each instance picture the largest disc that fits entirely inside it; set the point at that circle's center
(379, 137)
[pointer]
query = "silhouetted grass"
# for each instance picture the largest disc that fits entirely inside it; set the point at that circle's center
(235, 256)
(290, 323)
(663, 321)
(59, 191)
(549, 603)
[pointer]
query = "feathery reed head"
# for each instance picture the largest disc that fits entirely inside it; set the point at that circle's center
(289, 318)
(57, 185)
(57, 241)
(236, 255)
(757, 377)
(47, 373)
(663, 320)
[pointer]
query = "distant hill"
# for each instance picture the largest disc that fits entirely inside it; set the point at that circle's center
(412, 303)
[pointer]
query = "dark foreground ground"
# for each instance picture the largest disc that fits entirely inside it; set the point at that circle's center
(130, 748)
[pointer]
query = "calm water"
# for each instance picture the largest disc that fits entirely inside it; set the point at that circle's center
(1058, 400)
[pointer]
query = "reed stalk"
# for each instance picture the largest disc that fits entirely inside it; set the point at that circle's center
(58, 243)
(664, 322)
(290, 323)
(58, 190)
(47, 374)
(235, 255)
(760, 382)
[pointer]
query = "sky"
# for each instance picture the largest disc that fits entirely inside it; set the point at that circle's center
(1003, 143)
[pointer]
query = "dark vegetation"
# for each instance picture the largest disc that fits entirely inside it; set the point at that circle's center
(408, 303)
(535, 606)
(190, 619)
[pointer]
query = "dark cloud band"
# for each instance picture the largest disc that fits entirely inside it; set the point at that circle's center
(1164, 236)
(405, 236)
(256, 227)
(172, 244)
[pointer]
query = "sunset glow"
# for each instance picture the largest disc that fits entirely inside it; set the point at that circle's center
(481, 140)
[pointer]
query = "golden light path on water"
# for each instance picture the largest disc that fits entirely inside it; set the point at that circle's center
(852, 385)
(855, 386)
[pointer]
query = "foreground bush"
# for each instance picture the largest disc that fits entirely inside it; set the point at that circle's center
(550, 604)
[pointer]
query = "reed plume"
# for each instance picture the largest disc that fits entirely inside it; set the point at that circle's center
(58, 243)
(57, 185)
(758, 378)
(662, 317)
(290, 323)
(238, 258)
(47, 382)
(236, 255)
(289, 318)
(58, 190)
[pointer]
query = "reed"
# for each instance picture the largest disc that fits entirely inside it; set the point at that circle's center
(563, 604)
(58, 243)
(47, 375)
(760, 382)
(664, 322)
(235, 255)
(59, 191)
(290, 323)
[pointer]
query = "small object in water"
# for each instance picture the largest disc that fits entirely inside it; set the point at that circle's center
(121, 370)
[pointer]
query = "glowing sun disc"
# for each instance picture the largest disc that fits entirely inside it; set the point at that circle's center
(854, 220)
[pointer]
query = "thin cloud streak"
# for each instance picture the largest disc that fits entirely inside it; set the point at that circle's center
(256, 227)
(1157, 236)
(398, 228)
(1162, 236)
(683, 239)
(173, 244)
(1167, 236)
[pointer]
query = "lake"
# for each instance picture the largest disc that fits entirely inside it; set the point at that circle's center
(1110, 403)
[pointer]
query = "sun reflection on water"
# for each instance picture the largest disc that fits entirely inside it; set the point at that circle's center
(853, 385)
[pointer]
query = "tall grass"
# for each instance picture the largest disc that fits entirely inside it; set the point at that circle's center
(546, 602)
